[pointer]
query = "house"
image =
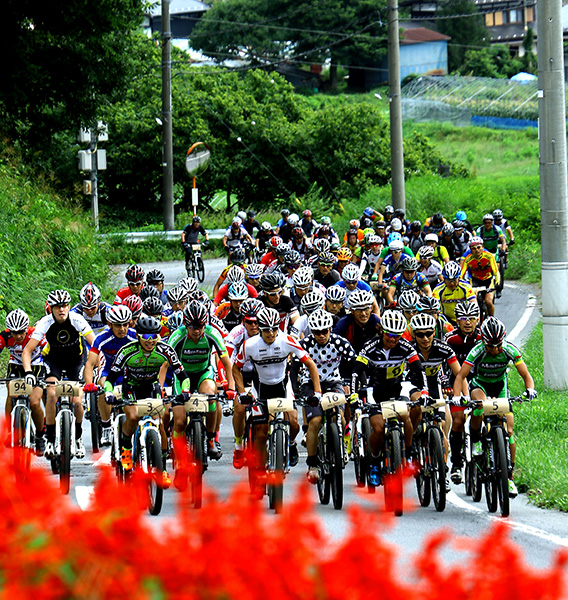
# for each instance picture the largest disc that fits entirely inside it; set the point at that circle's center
(422, 52)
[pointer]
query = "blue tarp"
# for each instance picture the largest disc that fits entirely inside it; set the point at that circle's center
(502, 122)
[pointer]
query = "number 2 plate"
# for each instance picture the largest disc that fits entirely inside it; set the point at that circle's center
(280, 405)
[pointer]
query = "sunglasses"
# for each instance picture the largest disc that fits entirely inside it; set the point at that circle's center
(320, 331)
(292, 266)
(15, 333)
(250, 321)
(268, 329)
(475, 247)
(324, 264)
(423, 334)
(148, 336)
(467, 319)
(494, 346)
(195, 326)
(392, 335)
(335, 301)
(303, 287)
(274, 293)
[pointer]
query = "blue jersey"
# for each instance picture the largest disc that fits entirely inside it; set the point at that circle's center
(416, 284)
(98, 320)
(361, 285)
(107, 345)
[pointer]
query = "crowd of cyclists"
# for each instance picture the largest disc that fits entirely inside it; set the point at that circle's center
(387, 309)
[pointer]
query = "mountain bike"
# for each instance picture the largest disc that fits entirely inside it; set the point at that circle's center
(491, 469)
(360, 434)
(146, 449)
(429, 447)
(194, 265)
(278, 463)
(480, 296)
(22, 429)
(330, 450)
(65, 443)
(90, 403)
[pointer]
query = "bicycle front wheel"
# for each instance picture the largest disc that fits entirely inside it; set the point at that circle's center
(335, 458)
(501, 471)
(94, 419)
(438, 468)
(154, 469)
(423, 486)
(65, 456)
(491, 477)
(367, 430)
(196, 448)
(199, 269)
(323, 483)
(276, 471)
(358, 456)
(393, 478)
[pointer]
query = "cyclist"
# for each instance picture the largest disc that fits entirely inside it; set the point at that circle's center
(462, 216)
(230, 312)
(351, 281)
(312, 301)
(371, 255)
(383, 360)
(269, 353)
(434, 223)
(194, 343)
(430, 268)
(270, 256)
(361, 324)
(448, 241)
(431, 306)
(483, 270)
(292, 262)
(285, 215)
(408, 279)
(155, 278)
(234, 274)
(272, 285)
(462, 237)
(452, 291)
(344, 257)
(461, 340)
(177, 299)
(102, 354)
(352, 242)
(141, 363)
(501, 222)
(332, 356)
(308, 224)
(492, 235)
(263, 236)
(235, 237)
(334, 301)
(490, 359)
(238, 262)
(15, 337)
(303, 282)
(91, 307)
(64, 332)
(324, 273)
(440, 252)
(135, 305)
(408, 304)
(386, 268)
(299, 243)
(416, 237)
(190, 236)
(285, 230)
(250, 223)
(135, 277)
(252, 277)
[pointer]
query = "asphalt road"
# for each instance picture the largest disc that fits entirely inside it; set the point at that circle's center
(540, 533)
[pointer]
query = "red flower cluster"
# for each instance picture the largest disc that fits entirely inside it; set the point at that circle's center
(50, 549)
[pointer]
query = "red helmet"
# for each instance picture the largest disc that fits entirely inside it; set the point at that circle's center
(307, 213)
(274, 241)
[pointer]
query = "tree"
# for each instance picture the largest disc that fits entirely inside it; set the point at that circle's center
(303, 32)
(461, 21)
(62, 62)
(529, 59)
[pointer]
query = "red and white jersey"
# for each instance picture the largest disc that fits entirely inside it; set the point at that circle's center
(270, 361)
(236, 338)
(7, 341)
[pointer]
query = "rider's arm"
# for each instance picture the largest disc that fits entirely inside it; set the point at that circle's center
(27, 354)
(226, 362)
(461, 378)
(524, 373)
(314, 375)
(390, 293)
(92, 362)
(225, 241)
(455, 369)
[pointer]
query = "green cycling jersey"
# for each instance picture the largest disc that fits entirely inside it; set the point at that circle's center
(196, 357)
(491, 369)
(490, 238)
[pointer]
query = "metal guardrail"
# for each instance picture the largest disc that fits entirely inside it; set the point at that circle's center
(134, 237)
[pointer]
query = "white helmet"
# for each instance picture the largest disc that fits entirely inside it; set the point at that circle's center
(422, 321)
(17, 321)
(351, 273)
(360, 299)
(320, 319)
(312, 301)
(393, 321)
(235, 273)
(293, 219)
(396, 245)
(431, 237)
(242, 215)
(303, 276)
(119, 315)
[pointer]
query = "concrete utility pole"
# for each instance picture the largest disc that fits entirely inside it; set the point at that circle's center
(397, 153)
(553, 192)
(167, 134)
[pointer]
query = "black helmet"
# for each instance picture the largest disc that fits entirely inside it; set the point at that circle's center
(398, 214)
(292, 258)
(415, 226)
(251, 214)
(147, 324)
(195, 314)
(149, 292)
(492, 331)
(285, 212)
(438, 219)
(153, 306)
(155, 276)
(238, 256)
(271, 281)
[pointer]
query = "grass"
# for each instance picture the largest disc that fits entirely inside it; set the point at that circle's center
(540, 430)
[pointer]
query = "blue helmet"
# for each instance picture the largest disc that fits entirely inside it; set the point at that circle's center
(461, 216)
(394, 235)
(369, 212)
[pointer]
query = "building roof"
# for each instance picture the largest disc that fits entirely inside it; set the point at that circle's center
(420, 35)
(179, 7)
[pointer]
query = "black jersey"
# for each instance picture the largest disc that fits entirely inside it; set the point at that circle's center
(285, 307)
(356, 335)
(461, 344)
(440, 354)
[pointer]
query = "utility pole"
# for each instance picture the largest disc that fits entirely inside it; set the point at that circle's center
(397, 153)
(553, 192)
(167, 133)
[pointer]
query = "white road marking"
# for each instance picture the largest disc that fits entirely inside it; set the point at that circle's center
(454, 499)
(104, 459)
(84, 495)
(523, 321)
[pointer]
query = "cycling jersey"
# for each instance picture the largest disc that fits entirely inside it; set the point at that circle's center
(140, 367)
(285, 307)
(416, 242)
(432, 272)
(386, 252)
(439, 354)
(309, 227)
(300, 327)
(416, 284)
(462, 344)
(368, 262)
(192, 233)
(304, 248)
(357, 335)
(250, 226)
(483, 268)
(327, 280)
(490, 369)
(490, 238)
(236, 338)
(448, 298)
(107, 345)
(224, 291)
(7, 341)
(263, 237)
(235, 237)
(329, 359)
(196, 357)
(230, 318)
(361, 285)
(122, 294)
(98, 320)
(64, 340)
(270, 360)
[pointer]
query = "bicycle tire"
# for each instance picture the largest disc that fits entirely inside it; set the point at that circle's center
(438, 468)
(501, 471)
(393, 479)
(65, 456)
(196, 451)
(491, 478)
(155, 469)
(423, 484)
(467, 478)
(477, 470)
(248, 447)
(22, 454)
(94, 420)
(358, 457)
(335, 458)
(200, 269)
(276, 481)
(323, 483)
(367, 430)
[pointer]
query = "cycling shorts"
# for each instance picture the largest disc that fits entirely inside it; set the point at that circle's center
(307, 390)
(263, 392)
(497, 389)
(16, 371)
(195, 379)
(74, 372)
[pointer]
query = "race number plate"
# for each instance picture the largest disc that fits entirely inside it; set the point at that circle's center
(496, 406)
(276, 405)
(197, 403)
(18, 387)
(68, 388)
(431, 407)
(196, 246)
(394, 408)
(331, 399)
(149, 407)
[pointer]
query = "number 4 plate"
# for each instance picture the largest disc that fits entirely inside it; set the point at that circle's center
(197, 403)
(280, 405)
(331, 399)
